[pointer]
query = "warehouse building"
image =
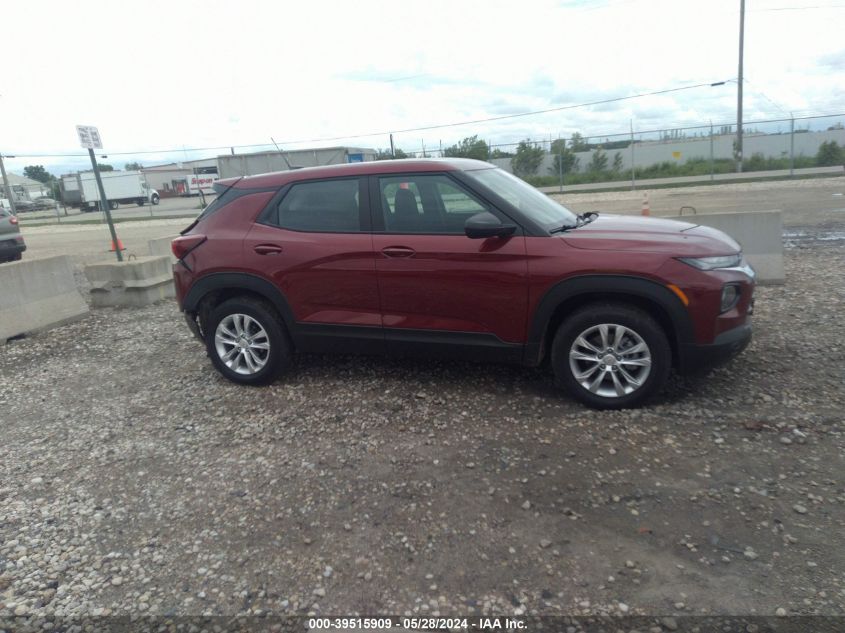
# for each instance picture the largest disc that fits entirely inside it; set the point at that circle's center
(173, 179)
(264, 162)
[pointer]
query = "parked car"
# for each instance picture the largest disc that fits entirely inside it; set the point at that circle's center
(22, 206)
(11, 240)
(44, 202)
(456, 258)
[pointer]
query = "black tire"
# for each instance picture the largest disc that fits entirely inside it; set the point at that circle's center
(113, 204)
(634, 320)
(280, 355)
(140, 202)
(155, 199)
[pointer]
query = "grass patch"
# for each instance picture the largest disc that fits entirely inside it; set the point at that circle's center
(666, 169)
(702, 183)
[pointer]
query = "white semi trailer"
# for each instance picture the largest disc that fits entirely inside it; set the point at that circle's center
(121, 187)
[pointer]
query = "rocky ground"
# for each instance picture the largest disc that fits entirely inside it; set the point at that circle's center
(135, 480)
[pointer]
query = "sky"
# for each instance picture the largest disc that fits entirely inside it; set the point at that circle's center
(180, 75)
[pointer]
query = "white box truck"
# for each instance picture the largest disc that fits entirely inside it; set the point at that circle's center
(124, 187)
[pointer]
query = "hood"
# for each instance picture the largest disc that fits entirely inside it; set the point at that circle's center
(653, 235)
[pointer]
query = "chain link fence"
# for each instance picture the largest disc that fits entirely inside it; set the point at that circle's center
(705, 150)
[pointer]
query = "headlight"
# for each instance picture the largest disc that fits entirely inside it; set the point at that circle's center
(712, 263)
(730, 297)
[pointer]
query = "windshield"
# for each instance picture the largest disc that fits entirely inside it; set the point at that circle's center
(533, 203)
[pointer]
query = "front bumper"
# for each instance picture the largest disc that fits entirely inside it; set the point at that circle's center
(698, 358)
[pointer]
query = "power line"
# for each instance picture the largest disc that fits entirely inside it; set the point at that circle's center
(386, 132)
(507, 116)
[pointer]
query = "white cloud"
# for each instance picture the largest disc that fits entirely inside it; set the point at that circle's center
(176, 74)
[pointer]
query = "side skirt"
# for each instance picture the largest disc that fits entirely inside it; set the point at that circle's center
(399, 342)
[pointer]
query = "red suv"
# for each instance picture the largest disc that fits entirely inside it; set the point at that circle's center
(456, 258)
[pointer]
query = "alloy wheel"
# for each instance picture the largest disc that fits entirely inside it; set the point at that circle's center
(610, 360)
(242, 344)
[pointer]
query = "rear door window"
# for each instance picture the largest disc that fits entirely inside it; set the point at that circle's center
(321, 206)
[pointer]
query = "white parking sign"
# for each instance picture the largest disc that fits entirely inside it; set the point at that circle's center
(89, 137)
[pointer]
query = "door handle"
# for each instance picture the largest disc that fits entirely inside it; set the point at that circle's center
(398, 251)
(267, 249)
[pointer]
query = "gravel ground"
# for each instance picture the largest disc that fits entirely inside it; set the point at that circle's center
(135, 480)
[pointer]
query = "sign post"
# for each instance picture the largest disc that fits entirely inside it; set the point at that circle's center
(89, 137)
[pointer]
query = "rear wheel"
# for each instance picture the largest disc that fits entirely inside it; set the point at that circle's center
(113, 204)
(140, 202)
(611, 356)
(247, 342)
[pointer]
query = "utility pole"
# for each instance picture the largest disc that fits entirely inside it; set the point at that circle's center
(392, 149)
(739, 88)
(7, 186)
(561, 145)
(791, 144)
(711, 149)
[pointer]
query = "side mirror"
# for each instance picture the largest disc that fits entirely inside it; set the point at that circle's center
(485, 224)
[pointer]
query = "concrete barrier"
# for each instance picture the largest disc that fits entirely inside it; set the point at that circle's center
(161, 246)
(38, 294)
(760, 234)
(135, 282)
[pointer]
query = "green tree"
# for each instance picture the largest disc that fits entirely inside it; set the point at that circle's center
(598, 161)
(527, 158)
(384, 154)
(617, 163)
(105, 167)
(735, 146)
(577, 143)
(563, 156)
(37, 172)
(133, 166)
(830, 154)
(470, 147)
(498, 153)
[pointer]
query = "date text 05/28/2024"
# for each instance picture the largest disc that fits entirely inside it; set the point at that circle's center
(408, 623)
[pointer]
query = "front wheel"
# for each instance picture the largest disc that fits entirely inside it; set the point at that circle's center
(154, 199)
(611, 356)
(247, 342)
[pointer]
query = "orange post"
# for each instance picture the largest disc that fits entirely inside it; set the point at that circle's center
(646, 207)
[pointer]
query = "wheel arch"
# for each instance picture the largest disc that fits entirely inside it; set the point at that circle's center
(569, 295)
(211, 290)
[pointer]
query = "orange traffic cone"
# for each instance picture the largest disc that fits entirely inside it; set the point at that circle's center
(646, 207)
(120, 246)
